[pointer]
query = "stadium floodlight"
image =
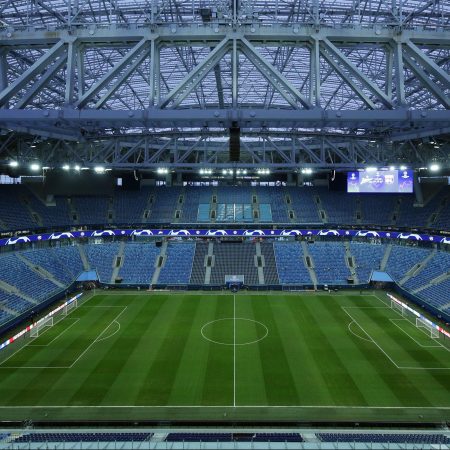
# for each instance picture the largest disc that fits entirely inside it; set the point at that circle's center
(14, 164)
(307, 171)
(162, 171)
(371, 169)
(77, 168)
(35, 167)
(434, 167)
(403, 167)
(391, 167)
(66, 167)
(263, 171)
(99, 169)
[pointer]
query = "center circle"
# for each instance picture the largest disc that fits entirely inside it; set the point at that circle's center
(234, 331)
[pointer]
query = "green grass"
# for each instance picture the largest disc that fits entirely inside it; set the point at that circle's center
(209, 356)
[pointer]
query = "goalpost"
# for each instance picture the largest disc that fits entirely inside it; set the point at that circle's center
(398, 307)
(45, 322)
(70, 306)
(430, 329)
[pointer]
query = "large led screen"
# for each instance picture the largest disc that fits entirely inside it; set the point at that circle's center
(380, 181)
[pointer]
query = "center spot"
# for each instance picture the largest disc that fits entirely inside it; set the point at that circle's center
(238, 331)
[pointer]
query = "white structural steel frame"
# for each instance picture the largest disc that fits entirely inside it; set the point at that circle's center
(386, 102)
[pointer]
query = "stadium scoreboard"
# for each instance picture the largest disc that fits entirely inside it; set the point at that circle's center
(381, 181)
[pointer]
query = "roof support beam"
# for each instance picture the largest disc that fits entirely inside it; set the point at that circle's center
(426, 81)
(41, 82)
(125, 61)
(342, 59)
(194, 78)
(11, 90)
(122, 79)
(429, 64)
(291, 94)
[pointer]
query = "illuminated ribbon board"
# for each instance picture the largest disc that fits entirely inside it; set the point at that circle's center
(263, 233)
(30, 327)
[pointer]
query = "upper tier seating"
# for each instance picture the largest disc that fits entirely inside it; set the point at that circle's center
(129, 206)
(14, 214)
(165, 203)
(139, 260)
(178, 264)
(304, 205)
(91, 210)
(21, 209)
(276, 199)
(196, 204)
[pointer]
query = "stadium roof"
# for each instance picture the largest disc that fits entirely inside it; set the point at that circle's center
(140, 83)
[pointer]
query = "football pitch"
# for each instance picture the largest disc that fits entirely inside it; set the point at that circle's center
(218, 356)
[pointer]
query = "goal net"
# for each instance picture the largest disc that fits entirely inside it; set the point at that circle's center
(398, 307)
(69, 307)
(428, 328)
(43, 323)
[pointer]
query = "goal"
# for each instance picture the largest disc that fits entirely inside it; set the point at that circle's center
(398, 307)
(43, 323)
(429, 329)
(70, 306)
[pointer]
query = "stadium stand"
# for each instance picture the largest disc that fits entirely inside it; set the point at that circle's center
(234, 259)
(329, 262)
(139, 260)
(91, 210)
(16, 273)
(101, 257)
(277, 201)
(412, 438)
(437, 295)
(21, 209)
(304, 205)
(237, 437)
(129, 206)
(290, 264)
(438, 265)
(367, 257)
(13, 212)
(165, 203)
(196, 206)
(177, 267)
(270, 268)
(198, 265)
(15, 305)
(59, 262)
(84, 437)
(339, 207)
(403, 258)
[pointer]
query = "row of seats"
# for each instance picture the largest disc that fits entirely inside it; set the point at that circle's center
(237, 437)
(20, 208)
(84, 437)
(410, 438)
